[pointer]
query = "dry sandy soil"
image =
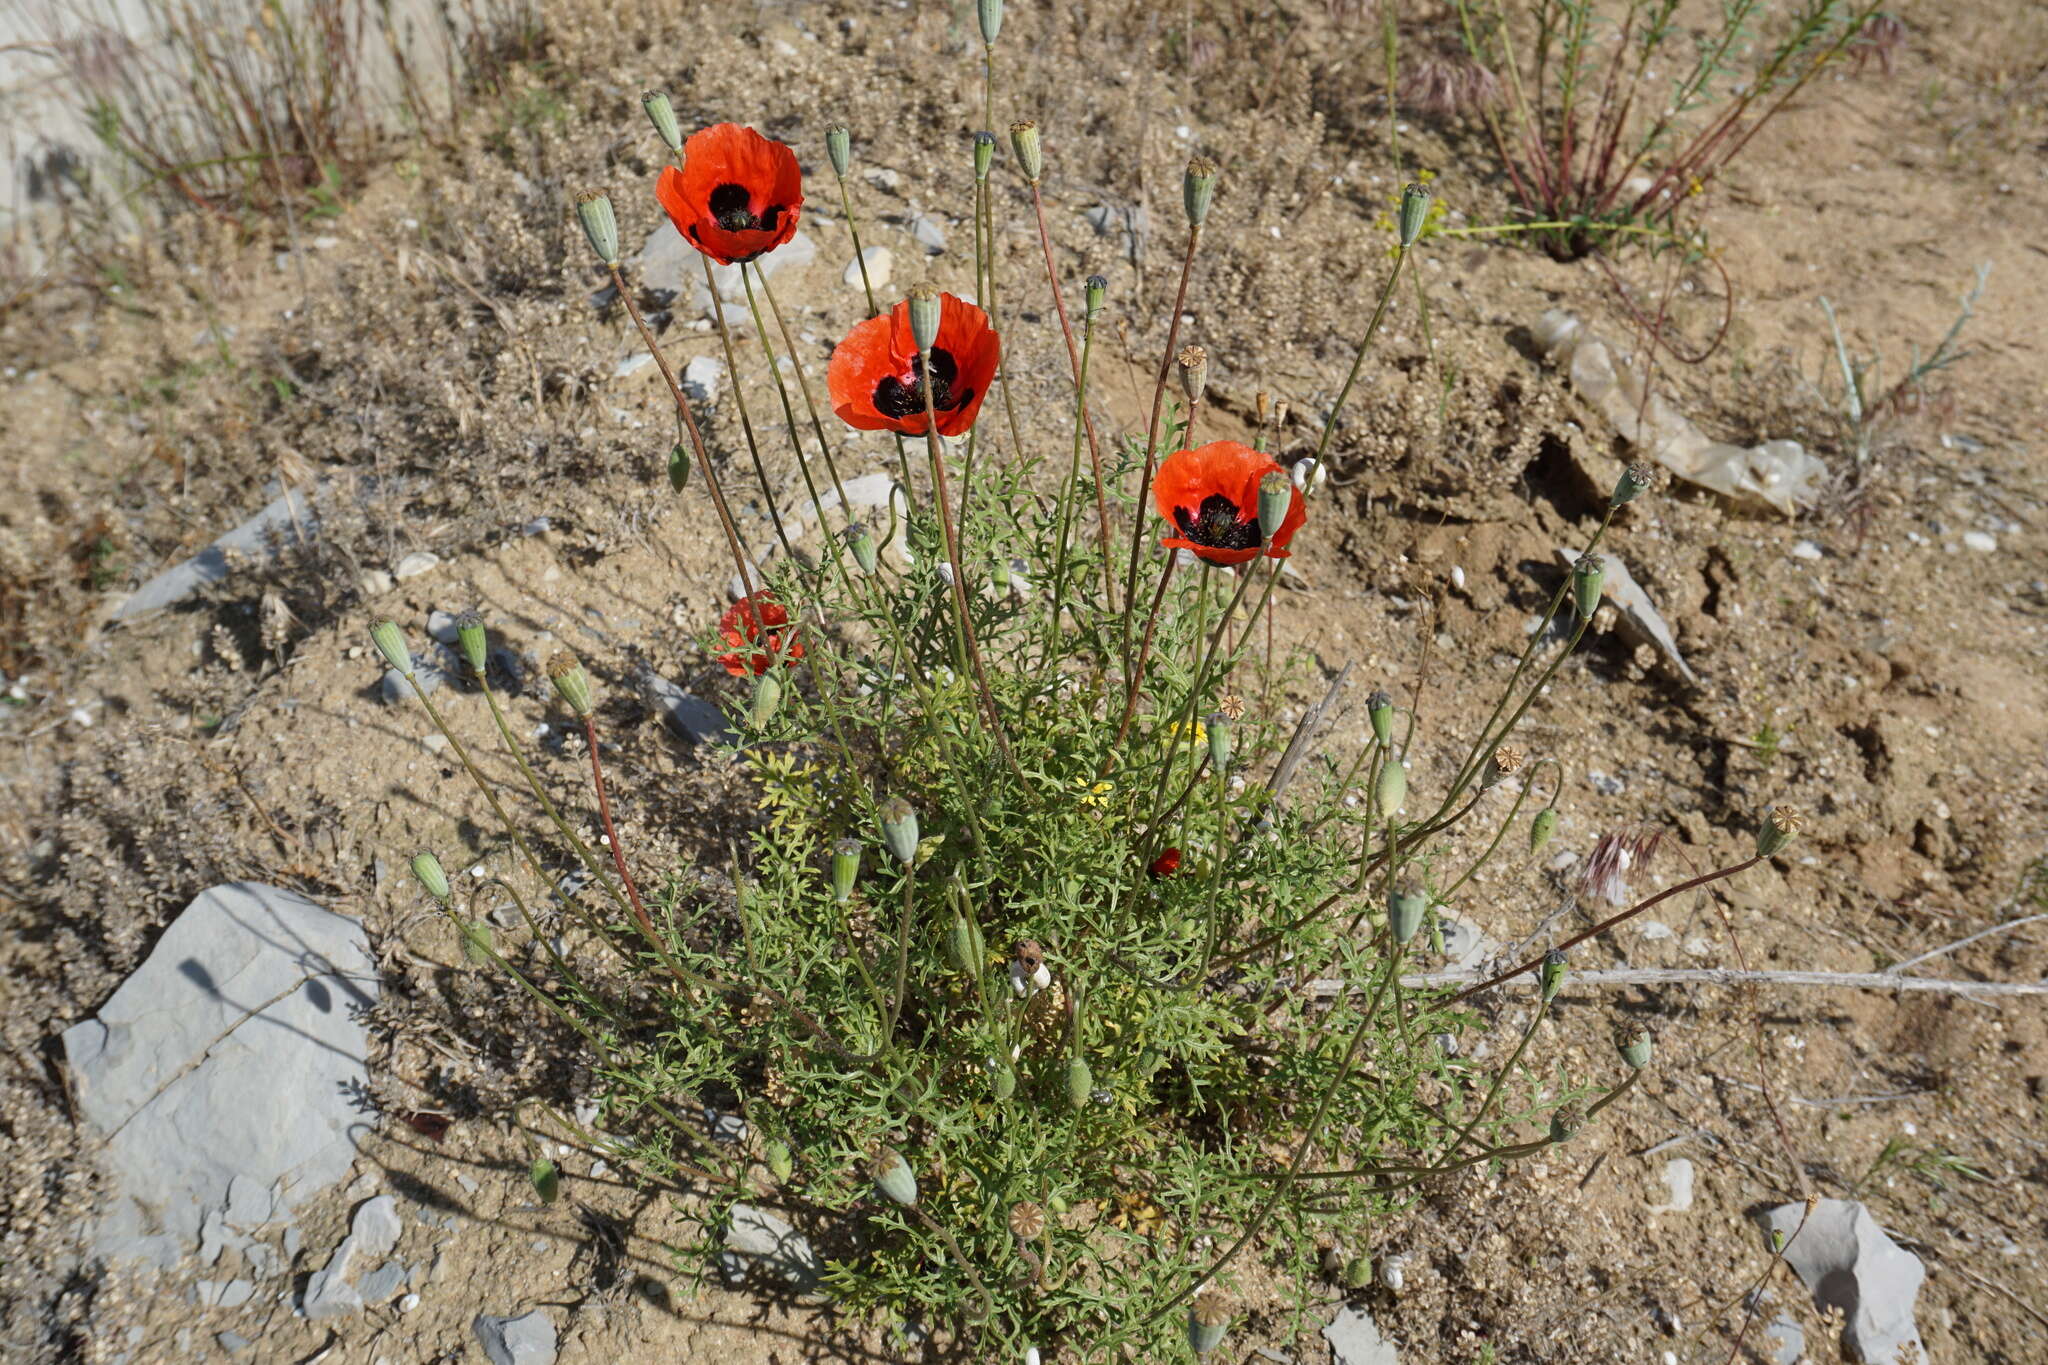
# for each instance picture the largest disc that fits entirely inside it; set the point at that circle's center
(441, 373)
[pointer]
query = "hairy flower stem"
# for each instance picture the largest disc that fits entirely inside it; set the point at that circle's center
(732, 370)
(988, 1304)
(788, 416)
(902, 986)
(1068, 491)
(675, 388)
(1084, 421)
(1372, 328)
(1180, 302)
(1144, 653)
(611, 838)
(803, 384)
(1506, 823)
(1500, 1079)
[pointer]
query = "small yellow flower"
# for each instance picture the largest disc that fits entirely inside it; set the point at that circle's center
(1094, 793)
(1173, 728)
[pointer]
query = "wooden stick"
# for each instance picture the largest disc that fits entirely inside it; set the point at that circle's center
(1729, 976)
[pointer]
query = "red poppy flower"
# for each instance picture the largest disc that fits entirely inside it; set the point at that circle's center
(737, 194)
(1211, 496)
(1165, 865)
(740, 628)
(877, 376)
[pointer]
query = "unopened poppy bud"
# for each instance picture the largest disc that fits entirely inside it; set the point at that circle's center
(1027, 1221)
(845, 869)
(1207, 1322)
(1379, 709)
(990, 12)
(1635, 1046)
(1192, 365)
(899, 829)
(1505, 762)
(1003, 1083)
(572, 684)
(861, 541)
(1780, 825)
(1276, 496)
(1030, 153)
(766, 701)
(471, 641)
(1566, 1120)
(781, 1164)
(1197, 189)
(1405, 909)
(1092, 292)
(1390, 789)
(600, 225)
(1634, 482)
(893, 1177)
(678, 467)
(1414, 213)
(1588, 573)
(1080, 1081)
(427, 868)
(390, 642)
(984, 153)
(1358, 1272)
(1219, 741)
(662, 114)
(964, 945)
(839, 148)
(924, 315)
(1550, 976)
(1541, 828)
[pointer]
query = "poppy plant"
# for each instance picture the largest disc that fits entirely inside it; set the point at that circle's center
(1165, 865)
(877, 376)
(1210, 495)
(736, 196)
(745, 622)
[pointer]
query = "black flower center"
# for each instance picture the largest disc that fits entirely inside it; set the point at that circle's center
(894, 398)
(1217, 525)
(732, 209)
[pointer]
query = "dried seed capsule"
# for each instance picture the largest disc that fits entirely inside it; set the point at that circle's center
(1024, 141)
(1505, 762)
(1192, 366)
(893, 1177)
(1780, 825)
(1027, 1221)
(470, 640)
(845, 869)
(427, 868)
(1588, 572)
(1198, 189)
(390, 642)
(600, 225)
(1207, 1322)
(899, 829)
(1415, 200)
(662, 114)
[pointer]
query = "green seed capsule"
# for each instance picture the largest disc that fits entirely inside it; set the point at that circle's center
(1198, 189)
(1093, 290)
(678, 467)
(839, 148)
(572, 684)
(1024, 141)
(471, 641)
(899, 829)
(1780, 825)
(390, 642)
(1634, 482)
(1588, 573)
(427, 868)
(964, 945)
(546, 1180)
(1405, 909)
(1080, 1083)
(1207, 1322)
(924, 314)
(478, 943)
(990, 15)
(766, 701)
(1414, 213)
(1541, 828)
(1379, 708)
(861, 541)
(1390, 789)
(845, 869)
(1550, 976)
(600, 225)
(1636, 1047)
(893, 1177)
(984, 153)
(1219, 741)
(1566, 1120)
(1276, 498)
(661, 112)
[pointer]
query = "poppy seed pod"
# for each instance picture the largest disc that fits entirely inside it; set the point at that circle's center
(1197, 189)
(893, 1177)
(662, 114)
(572, 684)
(390, 642)
(781, 1164)
(1541, 828)
(964, 945)
(845, 869)
(1588, 573)
(861, 541)
(1030, 152)
(470, 640)
(600, 225)
(984, 153)
(1566, 1120)
(1780, 825)
(1635, 1046)
(1390, 789)
(1027, 1221)
(899, 829)
(1550, 976)
(678, 467)
(990, 13)
(1207, 1322)
(1192, 365)
(1505, 762)
(1414, 213)
(427, 868)
(1219, 741)
(924, 315)
(765, 702)
(1276, 498)
(1405, 909)
(1634, 482)
(839, 148)
(1379, 709)
(1080, 1080)
(1092, 291)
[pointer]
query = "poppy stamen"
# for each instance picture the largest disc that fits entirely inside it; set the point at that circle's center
(1218, 524)
(732, 207)
(895, 398)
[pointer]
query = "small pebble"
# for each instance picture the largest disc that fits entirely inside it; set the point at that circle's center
(1981, 541)
(1806, 549)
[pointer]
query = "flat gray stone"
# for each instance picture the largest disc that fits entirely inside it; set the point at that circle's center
(235, 1050)
(1846, 1261)
(703, 377)
(1641, 622)
(667, 264)
(1355, 1340)
(375, 1227)
(525, 1340)
(881, 264)
(415, 564)
(1786, 1341)
(234, 1343)
(692, 717)
(769, 1239)
(382, 1284)
(927, 232)
(280, 520)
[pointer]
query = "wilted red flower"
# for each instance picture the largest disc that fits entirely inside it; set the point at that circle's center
(744, 623)
(737, 194)
(1211, 494)
(1165, 865)
(877, 376)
